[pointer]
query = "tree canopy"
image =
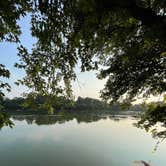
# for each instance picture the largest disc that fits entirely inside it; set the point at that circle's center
(125, 40)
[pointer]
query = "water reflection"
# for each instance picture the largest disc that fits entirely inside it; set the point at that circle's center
(76, 140)
(60, 119)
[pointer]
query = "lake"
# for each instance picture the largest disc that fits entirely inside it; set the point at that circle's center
(77, 141)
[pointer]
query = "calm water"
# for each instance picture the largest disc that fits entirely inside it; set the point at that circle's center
(85, 141)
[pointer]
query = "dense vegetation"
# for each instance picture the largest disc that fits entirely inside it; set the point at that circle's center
(125, 38)
(23, 106)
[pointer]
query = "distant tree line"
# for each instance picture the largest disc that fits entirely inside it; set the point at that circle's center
(22, 105)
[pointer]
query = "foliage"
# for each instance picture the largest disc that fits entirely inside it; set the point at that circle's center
(4, 120)
(37, 105)
(3, 85)
(154, 119)
(10, 13)
(126, 37)
(89, 103)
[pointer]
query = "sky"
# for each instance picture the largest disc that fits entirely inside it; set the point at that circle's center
(86, 85)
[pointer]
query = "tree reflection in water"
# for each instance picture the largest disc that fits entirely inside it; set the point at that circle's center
(59, 119)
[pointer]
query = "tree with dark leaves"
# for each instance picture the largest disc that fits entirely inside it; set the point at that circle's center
(125, 40)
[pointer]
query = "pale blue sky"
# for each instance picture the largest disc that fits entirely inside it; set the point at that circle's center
(86, 86)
